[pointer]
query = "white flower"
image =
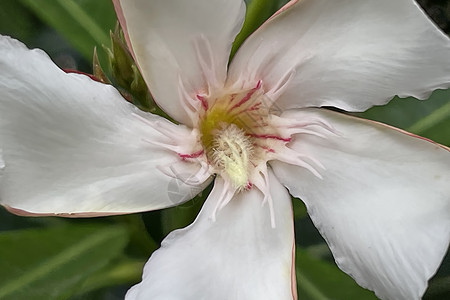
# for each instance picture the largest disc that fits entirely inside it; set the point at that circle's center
(378, 195)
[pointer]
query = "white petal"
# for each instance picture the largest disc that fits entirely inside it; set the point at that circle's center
(238, 256)
(383, 205)
(73, 145)
(2, 162)
(169, 36)
(349, 54)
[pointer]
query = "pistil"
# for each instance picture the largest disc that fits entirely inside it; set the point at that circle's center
(231, 155)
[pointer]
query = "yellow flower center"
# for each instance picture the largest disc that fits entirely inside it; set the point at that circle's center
(228, 128)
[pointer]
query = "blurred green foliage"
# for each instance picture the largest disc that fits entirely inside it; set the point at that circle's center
(51, 263)
(320, 280)
(50, 258)
(84, 23)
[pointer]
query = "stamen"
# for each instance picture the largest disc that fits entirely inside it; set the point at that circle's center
(240, 135)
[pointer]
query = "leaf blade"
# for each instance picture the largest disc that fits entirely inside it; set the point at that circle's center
(60, 259)
(320, 280)
(78, 21)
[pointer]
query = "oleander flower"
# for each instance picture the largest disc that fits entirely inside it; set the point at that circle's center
(257, 127)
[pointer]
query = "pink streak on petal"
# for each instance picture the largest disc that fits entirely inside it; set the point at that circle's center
(203, 101)
(247, 97)
(123, 23)
(270, 136)
(255, 106)
(192, 155)
(243, 100)
(268, 149)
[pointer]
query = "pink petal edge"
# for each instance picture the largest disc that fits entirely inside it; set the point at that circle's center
(293, 276)
(282, 9)
(24, 213)
(401, 131)
(123, 24)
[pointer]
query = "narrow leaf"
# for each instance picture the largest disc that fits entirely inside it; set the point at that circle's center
(85, 24)
(125, 271)
(51, 263)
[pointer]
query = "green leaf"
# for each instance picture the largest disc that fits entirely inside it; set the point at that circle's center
(17, 21)
(321, 280)
(299, 208)
(51, 263)
(85, 24)
(125, 271)
(438, 289)
(141, 244)
(257, 12)
(430, 118)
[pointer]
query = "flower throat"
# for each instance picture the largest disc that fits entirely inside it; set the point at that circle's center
(228, 128)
